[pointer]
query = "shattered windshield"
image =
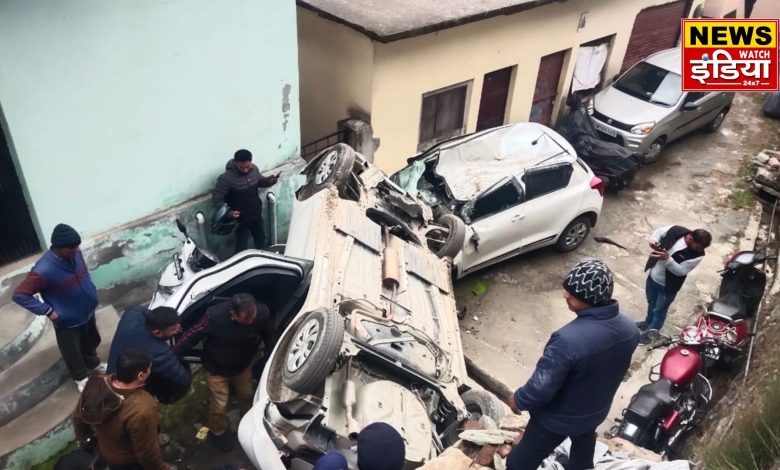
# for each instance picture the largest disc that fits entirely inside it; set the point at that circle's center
(409, 176)
(652, 84)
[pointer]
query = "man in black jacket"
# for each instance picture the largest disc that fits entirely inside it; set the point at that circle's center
(231, 333)
(150, 330)
(676, 251)
(237, 187)
(571, 390)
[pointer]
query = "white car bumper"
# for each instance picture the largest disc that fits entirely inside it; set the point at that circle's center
(253, 436)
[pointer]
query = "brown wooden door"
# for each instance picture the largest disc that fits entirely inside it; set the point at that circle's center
(492, 104)
(655, 29)
(547, 81)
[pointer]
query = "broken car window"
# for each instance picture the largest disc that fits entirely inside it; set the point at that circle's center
(540, 181)
(498, 199)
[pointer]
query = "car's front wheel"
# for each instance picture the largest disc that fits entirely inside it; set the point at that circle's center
(446, 235)
(716, 122)
(313, 351)
(654, 151)
(574, 234)
(333, 168)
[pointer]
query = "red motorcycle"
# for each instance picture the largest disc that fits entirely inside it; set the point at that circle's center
(679, 391)
(674, 400)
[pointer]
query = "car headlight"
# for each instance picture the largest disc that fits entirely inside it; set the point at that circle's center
(731, 337)
(643, 129)
(589, 107)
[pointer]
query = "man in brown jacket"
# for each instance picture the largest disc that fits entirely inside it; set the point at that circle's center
(123, 415)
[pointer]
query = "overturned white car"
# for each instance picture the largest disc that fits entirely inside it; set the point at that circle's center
(368, 323)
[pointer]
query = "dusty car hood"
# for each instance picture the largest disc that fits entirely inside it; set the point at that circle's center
(625, 108)
(474, 163)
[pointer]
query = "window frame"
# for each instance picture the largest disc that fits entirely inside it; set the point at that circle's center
(427, 144)
(541, 169)
(511, 181)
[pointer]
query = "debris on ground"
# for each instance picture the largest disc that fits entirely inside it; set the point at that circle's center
(767, 176)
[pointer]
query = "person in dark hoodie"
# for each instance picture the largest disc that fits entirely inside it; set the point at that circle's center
(231, 332)
(571, 390)
(237, 187)
(61, 277)
(150, 330)
(122, 415)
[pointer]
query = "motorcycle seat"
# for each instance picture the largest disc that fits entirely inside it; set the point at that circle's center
(652, 399)
(729, 306)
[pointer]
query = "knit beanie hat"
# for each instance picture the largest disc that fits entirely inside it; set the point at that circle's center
(380, 447)
(331, 461)
(591, 282)
(64, 236)
(243, 155)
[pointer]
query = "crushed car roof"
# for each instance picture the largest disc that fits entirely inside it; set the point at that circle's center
(473, 163)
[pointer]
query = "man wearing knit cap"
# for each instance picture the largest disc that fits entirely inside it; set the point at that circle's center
(60, 276)
(380, 447)
(237, 187)
(571, 390)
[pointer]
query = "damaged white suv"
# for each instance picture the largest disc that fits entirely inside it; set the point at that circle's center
(367, 321)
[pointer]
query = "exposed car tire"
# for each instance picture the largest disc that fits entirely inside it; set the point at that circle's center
(481, 403)
(333, 168)
(654, 151)
(574, 234)
(446, 235)
(313, 350)
(716, 122)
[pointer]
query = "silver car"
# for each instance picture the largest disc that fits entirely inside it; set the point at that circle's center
(645, 108)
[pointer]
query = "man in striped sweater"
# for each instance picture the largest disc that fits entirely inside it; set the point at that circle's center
(61, 278)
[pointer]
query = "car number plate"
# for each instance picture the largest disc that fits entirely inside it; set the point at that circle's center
(601, 127)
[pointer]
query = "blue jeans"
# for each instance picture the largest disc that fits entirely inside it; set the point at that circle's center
(658, 303)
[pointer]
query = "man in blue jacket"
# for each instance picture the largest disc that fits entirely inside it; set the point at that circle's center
(150, 330)
(571, 390)
(60, 276)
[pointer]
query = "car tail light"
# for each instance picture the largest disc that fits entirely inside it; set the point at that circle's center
(597, 184)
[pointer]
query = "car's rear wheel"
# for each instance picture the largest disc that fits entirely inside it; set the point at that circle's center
(446, 235)
(654, 151)
(333, 168)
(716, 122)
(574, 234)
(482, 403)
(313, 351)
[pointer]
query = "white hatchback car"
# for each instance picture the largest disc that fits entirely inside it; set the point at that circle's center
(517, 188)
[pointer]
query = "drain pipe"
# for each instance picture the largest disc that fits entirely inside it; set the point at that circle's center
(202, 229)
(271, 197)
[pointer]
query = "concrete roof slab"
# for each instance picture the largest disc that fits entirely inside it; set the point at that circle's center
(390, 20)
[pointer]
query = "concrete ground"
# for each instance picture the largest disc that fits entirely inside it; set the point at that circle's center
(505, 329)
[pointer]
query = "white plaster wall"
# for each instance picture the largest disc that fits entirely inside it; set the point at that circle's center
(336, 66)
(117, 109)
(406, 69)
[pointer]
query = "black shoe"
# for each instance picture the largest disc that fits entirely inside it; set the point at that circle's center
(223, 442)
(641, 325)
(644, 338)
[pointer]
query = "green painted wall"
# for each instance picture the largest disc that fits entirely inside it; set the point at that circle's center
(118, 109)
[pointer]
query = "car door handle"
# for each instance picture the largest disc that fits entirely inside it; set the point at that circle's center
(518, 217)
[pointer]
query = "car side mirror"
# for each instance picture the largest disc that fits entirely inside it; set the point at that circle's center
(690, 107)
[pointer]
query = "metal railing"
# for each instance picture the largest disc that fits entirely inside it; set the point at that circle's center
(311, 149)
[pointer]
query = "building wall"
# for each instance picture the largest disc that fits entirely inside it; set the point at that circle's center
(336, 67)
(406, 69)
(116, 110)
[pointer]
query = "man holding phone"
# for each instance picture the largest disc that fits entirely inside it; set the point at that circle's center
(237, 187)
(676, 251)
